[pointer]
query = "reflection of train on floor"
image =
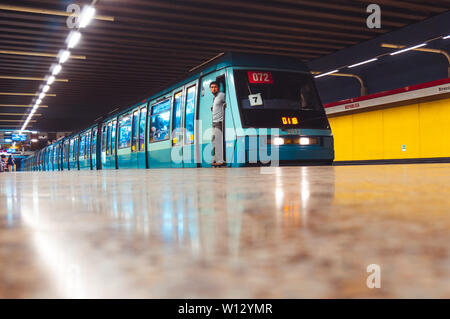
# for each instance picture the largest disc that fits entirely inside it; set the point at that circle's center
(263, 93)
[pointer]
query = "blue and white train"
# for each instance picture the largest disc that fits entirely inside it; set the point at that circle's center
(269, 99)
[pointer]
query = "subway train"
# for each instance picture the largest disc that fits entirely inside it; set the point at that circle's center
(273, 116)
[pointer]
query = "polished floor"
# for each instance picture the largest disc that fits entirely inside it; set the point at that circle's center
(291, 232)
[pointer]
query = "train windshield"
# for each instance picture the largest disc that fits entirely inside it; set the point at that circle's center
(278, 99)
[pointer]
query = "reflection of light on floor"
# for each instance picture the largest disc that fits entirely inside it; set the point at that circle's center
(65, 273)
(279, 194)
(305, 194)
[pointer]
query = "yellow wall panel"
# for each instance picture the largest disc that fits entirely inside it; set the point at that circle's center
(435, 128)
(368, 135)
(342, 129)
(401, 132)
(423, 129)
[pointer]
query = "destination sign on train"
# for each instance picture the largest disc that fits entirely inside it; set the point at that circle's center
(260, 77)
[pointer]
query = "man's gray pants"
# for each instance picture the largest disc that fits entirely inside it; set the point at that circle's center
(217, 143)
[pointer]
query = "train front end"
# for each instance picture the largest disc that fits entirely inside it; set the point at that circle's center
(283, 110)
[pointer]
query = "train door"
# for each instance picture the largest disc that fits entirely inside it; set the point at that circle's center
(55, 157)
(94, 149)
(124, 140)
(177, 131)
(108, 140)
(82, 151)
(141, 149)
(205, 114)
(159, 143)
(112, 145)
(66, 154)
(190, 131)
(74, 158)
(132, 157)
(87, 155)
(58, 156)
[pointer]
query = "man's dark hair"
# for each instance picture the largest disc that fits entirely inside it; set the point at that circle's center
(213, 82)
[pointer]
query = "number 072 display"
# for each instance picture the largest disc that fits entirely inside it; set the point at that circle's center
(260, 77)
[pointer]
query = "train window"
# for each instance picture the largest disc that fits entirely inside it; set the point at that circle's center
(113, 137)
(134, 131)
(94, 141)
(142, 121)
(177, 135)
(72, 142)
(160, 121)
(104, 138)
(124, 139)
(190, 115)
(75, 149)
(82, 145)
(108, 139)
(65, 150)
(88, 145)
(266, 97)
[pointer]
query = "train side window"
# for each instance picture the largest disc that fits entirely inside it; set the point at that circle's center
(72, 142)
(65, 150)
(142, 121)
(190, 114)
(82, 145)
(75, 149)
(221, 81)
(160, 121)
(104, 138)
(176, 126)
(108, 139)
(124, 139)
(88, 145)
(134, 131)
(113, 137)
(94, 141)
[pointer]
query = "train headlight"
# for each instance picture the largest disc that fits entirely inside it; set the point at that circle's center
(304, 141)
(278, 141)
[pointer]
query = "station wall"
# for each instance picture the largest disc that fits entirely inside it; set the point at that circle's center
(418, 130)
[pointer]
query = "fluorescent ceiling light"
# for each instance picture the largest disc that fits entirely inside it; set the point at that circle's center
(41, 96)
(38, 101)
(73, 38)
(51, 80)
(361, 63)
(45, 88)
(324, 74)
(63, 56)
(87, 14)
(409, 49)
(56, 69)
(446, 37)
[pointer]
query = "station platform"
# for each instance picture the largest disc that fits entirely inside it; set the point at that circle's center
(290, 232)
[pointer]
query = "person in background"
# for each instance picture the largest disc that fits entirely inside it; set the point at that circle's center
(218, 115)
(2, 163)
(10, 163)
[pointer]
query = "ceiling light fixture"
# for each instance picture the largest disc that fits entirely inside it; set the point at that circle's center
(56, 69)
(73, 39)
(51, 80)
(361, 63)
(63, 56)
(324, 74)
(409, 49)
(87, 14)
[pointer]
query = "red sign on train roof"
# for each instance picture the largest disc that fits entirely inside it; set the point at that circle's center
(260, 77)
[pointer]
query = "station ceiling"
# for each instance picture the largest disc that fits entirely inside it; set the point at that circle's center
(152, 43)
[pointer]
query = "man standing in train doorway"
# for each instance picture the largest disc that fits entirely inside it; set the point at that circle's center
(218, 116)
